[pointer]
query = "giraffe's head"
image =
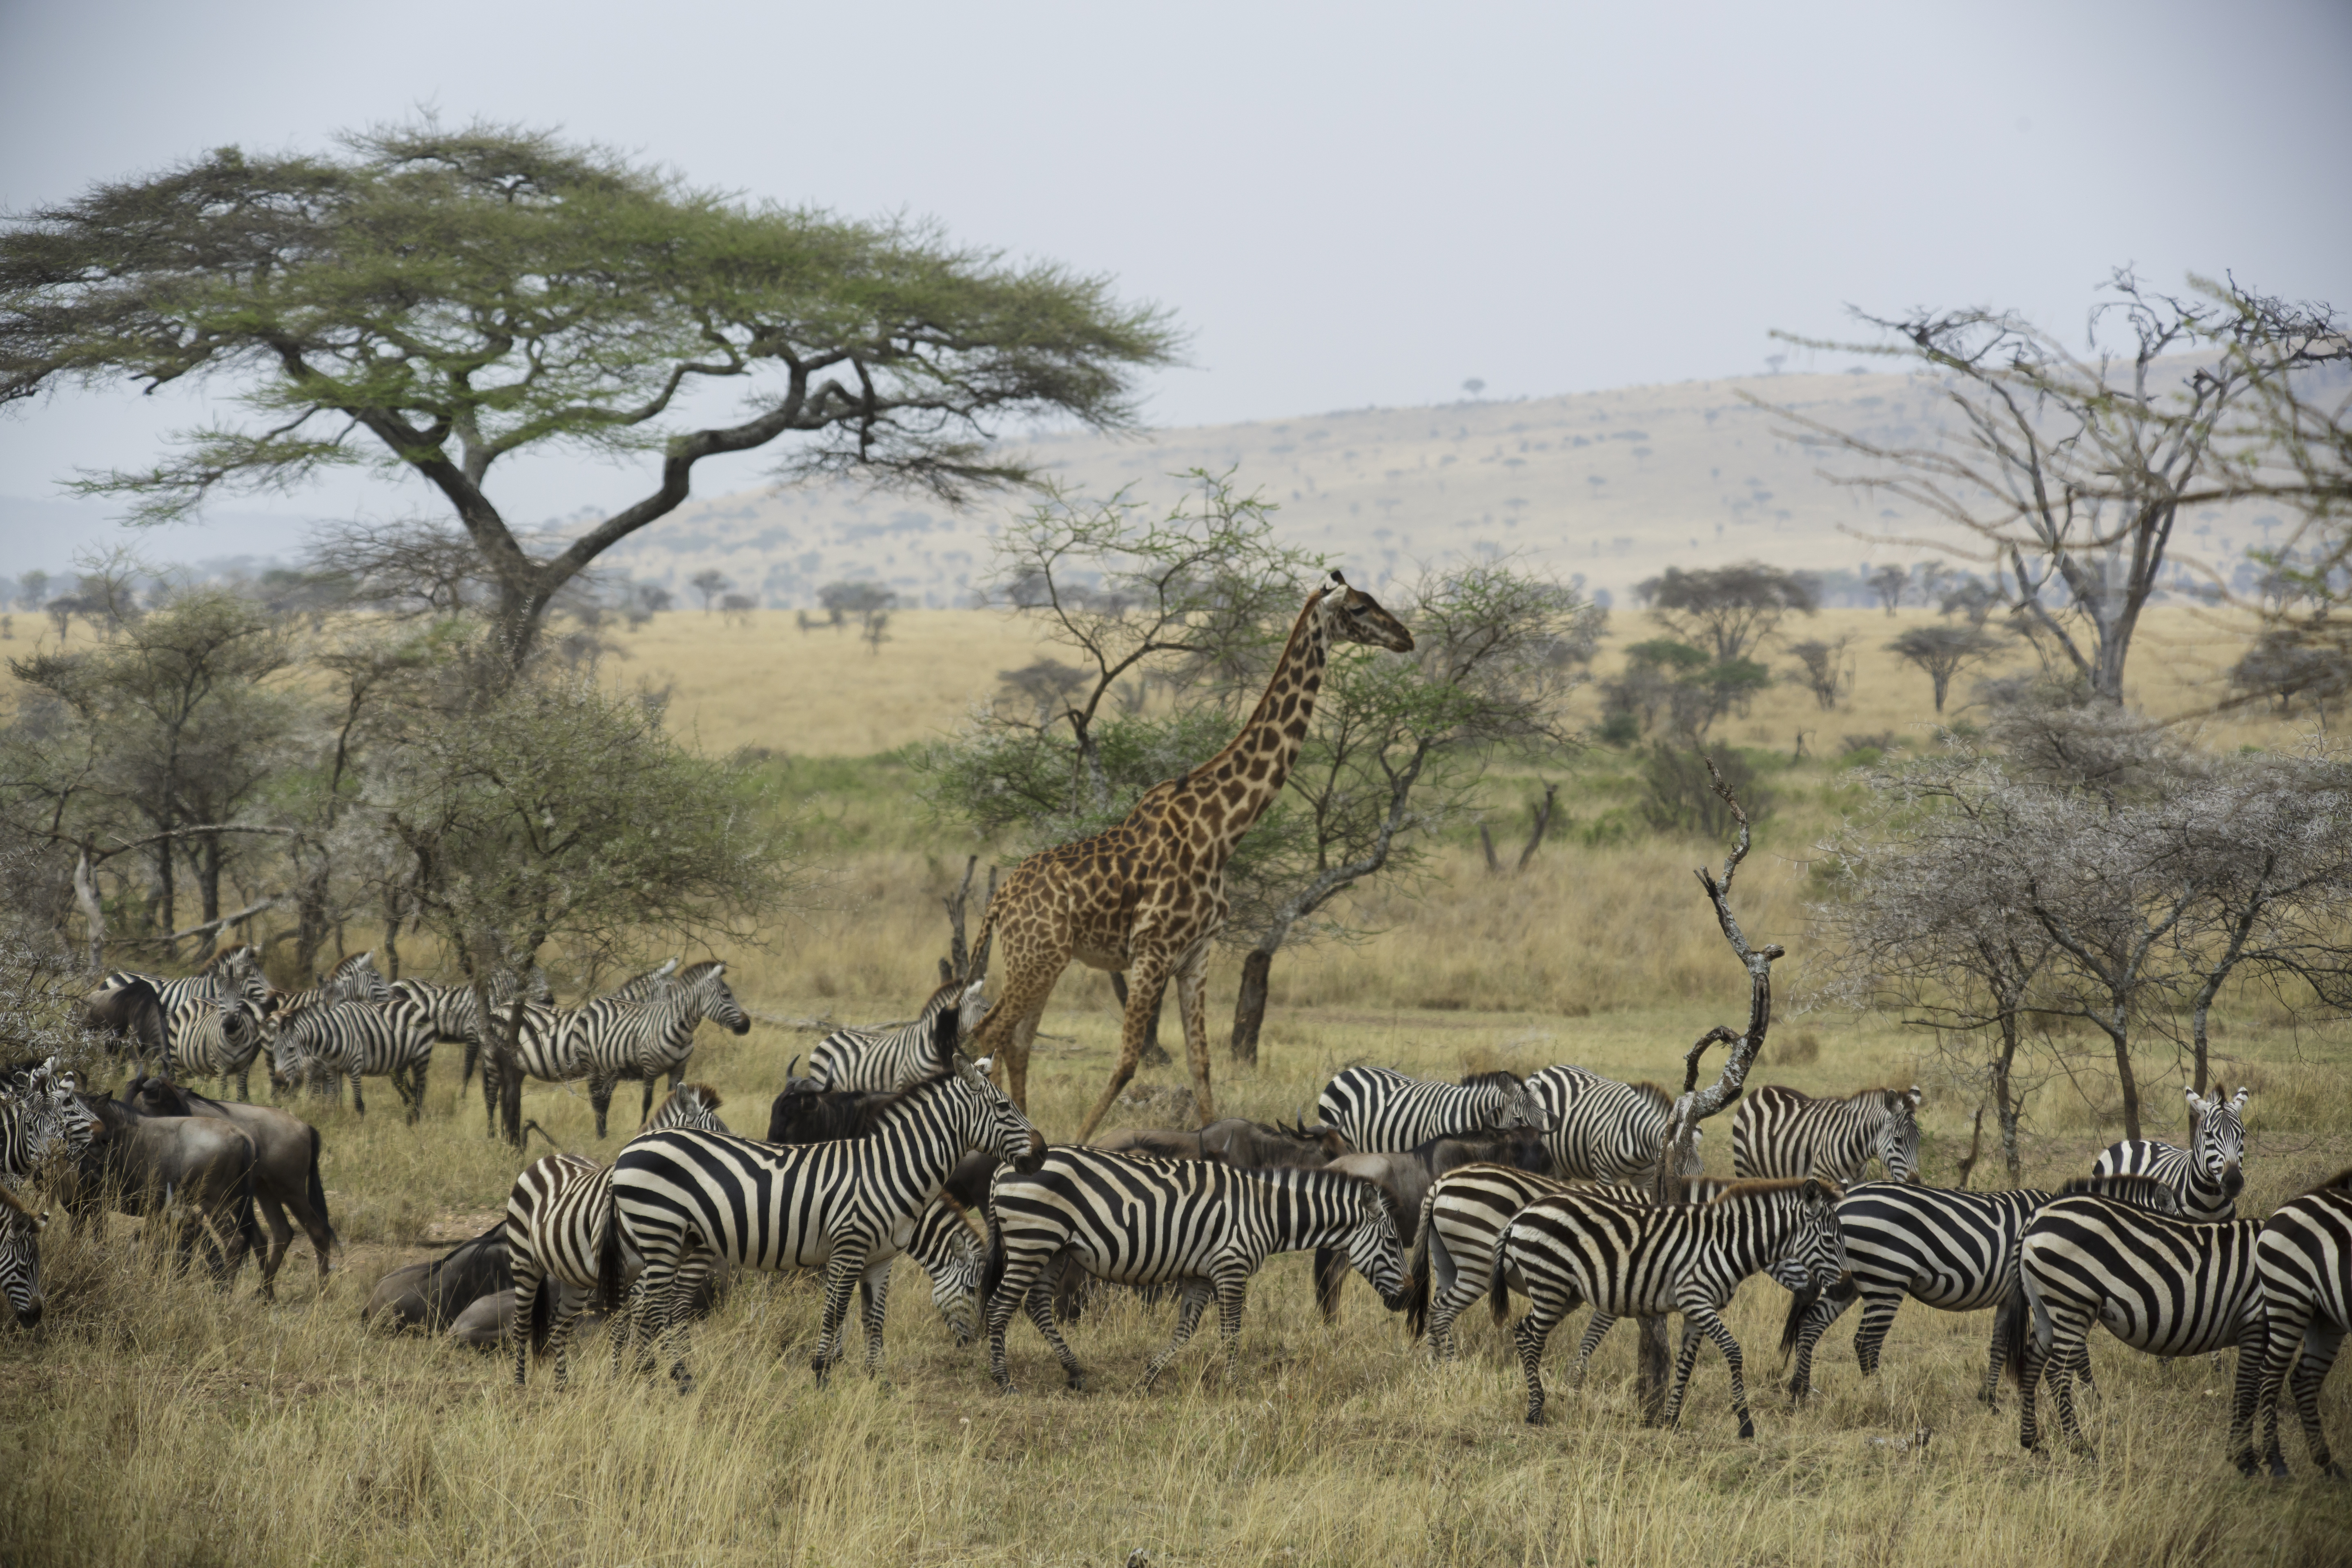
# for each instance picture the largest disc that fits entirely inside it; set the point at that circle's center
(1350, 615)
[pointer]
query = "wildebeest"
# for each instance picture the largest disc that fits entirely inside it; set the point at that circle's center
(168, 1170)
(1406, 1176)
(285, 1171)
(1249, 1145)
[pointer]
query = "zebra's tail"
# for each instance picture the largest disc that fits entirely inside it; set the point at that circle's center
(1498, 1281)
(316, 1191)
(610, 1287)
(992, 1273)
(2016, 1316)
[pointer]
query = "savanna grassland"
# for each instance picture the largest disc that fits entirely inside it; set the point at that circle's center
(160, 1421)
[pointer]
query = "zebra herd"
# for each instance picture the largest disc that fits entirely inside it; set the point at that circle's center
(356, 1024)
(1546, 1186)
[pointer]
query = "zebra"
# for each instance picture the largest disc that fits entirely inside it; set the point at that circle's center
(1201, 1225)
(2169, 1286)
(1603, 1129)
(1955, 1251)
(20, 1254)
(1639, 1259)
(879, 1059)
(215, 1038)
(1779, 1132)
(2303, 1264)
(352, 1038)
(1380, 1111)
(2207, 1174)
(848, 1208)
(1462, 1216)
(625, 1036)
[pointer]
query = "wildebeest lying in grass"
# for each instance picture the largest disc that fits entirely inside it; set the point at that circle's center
(1406, 1176)
(285, 1171)
(192, 1175)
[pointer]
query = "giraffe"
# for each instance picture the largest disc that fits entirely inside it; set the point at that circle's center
(1147, 896)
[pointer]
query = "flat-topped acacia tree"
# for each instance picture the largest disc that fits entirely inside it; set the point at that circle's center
(432, 301)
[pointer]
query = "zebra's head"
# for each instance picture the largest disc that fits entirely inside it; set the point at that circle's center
(704, 986)
(1898, 1134)
(2218, 1144)
(1376, 1249)
(20, 1257)
(1008, 1133)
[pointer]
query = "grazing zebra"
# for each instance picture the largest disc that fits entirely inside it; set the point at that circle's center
(1384, 1112)
(1779, 1134)
(1955, 1251)
(2303, 1263)
(885, 1059)
(1462, 1216)
(644, 1037)
(847, 1207)
(215, 1038)
(2207, 1174)
(349, 1039)
(2169, 1286)
(1640, 1260)
(1200, 1225)
(20, 1254)
(1602, 1130)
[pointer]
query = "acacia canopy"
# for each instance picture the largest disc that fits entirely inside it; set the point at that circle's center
(432, 301)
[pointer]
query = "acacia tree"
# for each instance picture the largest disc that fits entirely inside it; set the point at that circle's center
(432, 301)
(2070, 470)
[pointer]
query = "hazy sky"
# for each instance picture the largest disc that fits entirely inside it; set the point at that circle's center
(1345, 204)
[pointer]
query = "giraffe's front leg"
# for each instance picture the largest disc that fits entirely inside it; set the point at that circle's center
(1192, 1001)
(1145, 976)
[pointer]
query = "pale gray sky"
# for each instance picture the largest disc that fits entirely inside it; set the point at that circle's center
(1346, 204)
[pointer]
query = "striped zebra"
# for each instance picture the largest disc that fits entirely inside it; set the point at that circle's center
(847, 1207)
(352, 1040)
(1200, 1225)
(1643, 1260)
(1779, 1134)
(2302, 1265)
(2207, 1174)
(1380, 1111)
(556, 1216)
(1462, 1216)
(2169, 1286)
(644, 1037)
(1602, 1130)
(879, 1059)
(214, 1039)
(20, 1253)
(1955, 1251)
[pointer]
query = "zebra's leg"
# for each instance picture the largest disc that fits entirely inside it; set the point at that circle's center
(1703, 1316)
(841, 1274)
(1038, 1303)
(1826, 1310)
(874, 1292)
(1544, 1313)
(1188, 1318)
(1593, 1332)
(1232, 1295)
(2319, 1348)
(1870, 1338)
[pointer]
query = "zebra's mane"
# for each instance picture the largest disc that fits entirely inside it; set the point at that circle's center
(1767, 1186)
(1499, 1077)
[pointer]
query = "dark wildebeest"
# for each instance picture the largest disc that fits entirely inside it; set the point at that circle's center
(159, 1167)
(1247, 1145)
(285, 1171)
(1406, 1176)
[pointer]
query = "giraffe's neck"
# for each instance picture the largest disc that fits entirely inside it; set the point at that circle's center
(1227, 793)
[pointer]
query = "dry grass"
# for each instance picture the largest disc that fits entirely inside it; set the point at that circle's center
(154, 1413)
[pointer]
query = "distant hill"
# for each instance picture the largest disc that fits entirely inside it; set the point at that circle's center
(1614, 486)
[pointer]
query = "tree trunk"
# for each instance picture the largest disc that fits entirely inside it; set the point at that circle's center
(1249, 1007)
